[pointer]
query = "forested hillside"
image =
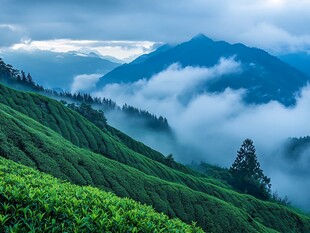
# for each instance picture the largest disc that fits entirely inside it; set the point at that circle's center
(212, 204)
(135, 117)
(76, 145)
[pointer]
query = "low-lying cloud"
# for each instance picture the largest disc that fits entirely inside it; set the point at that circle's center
(213, 125)
(280, 41)
(84, 82)
(124, 50)
(168, 88)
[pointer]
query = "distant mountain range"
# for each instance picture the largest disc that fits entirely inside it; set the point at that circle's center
(265, 77)
(57, 70)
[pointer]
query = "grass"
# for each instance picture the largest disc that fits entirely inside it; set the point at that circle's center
(35, 202)
(213, 205)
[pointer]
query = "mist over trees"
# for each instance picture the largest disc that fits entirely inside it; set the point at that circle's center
(91, 106)
(17, 79)
(22, 81)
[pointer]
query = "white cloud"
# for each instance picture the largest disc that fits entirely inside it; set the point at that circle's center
(172, 93)
(174, 82)
(213, 125)
(124, 50)
(279, 40)
(84, 82)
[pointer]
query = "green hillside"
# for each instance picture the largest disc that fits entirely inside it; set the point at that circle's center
(213, 205)
(35, 202)
(80, 132)
(30, 145)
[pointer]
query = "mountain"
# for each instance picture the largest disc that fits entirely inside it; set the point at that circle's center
(264, 76)
(46, 135)
(86, 52)
(57, 70)
(74, 208)
(300, 61)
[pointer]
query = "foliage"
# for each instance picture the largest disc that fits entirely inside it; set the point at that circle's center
(18, 79)
(44, 134)
(141, 117)
(295, 147)
(152, 121)
(247, 175)
(211, 204)
(95, 116)
(282, 201)
(213, 171)
(169, 160)
(35, 202)
(82, 133)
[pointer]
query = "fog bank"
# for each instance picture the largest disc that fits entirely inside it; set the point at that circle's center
(212, 126)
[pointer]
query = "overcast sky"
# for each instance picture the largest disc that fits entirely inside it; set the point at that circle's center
(279, 26)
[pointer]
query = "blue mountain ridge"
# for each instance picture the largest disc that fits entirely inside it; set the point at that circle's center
(265, 77)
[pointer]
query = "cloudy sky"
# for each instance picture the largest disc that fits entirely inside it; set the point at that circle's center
(128, 28)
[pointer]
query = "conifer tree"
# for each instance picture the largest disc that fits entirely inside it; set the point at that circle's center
(247, 175)
(23, 77)
(29, 79)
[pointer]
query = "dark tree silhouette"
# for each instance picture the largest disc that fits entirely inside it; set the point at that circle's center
(23, 77)
(30, 80)
(247, 175)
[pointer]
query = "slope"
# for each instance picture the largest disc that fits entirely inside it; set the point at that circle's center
(264, 76)
(35, 202)
(190, 198)
(80, 132)
(85, 168)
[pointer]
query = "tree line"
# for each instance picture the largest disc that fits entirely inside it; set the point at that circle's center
(19, 80)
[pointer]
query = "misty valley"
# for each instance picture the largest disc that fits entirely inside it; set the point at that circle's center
(196, 136)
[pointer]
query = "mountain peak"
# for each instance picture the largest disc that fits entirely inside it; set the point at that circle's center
(201, 36)
(204, 52)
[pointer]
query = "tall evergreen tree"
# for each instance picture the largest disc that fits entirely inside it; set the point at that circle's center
(247, 175)
(23, 77)
(30, 80)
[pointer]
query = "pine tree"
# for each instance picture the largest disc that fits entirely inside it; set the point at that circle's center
(30, 80)
(247, 175)
(23, 77)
